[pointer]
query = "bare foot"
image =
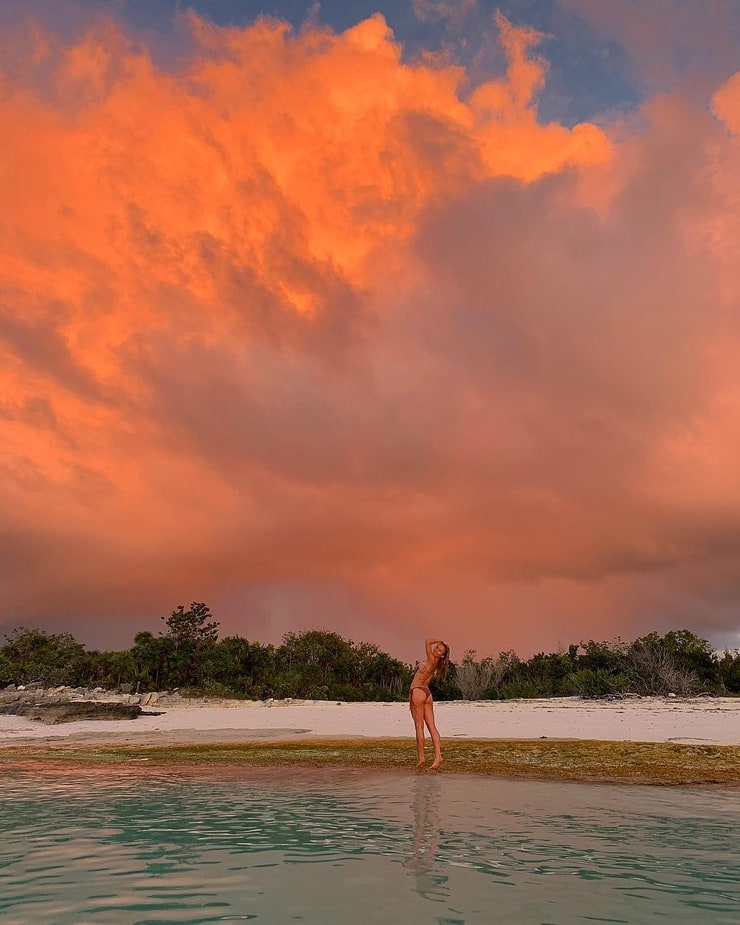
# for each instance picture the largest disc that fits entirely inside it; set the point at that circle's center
(420, 764)
(435, 764)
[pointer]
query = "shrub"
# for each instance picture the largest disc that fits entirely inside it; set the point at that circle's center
(473, 679)
(597, 683)
(518, 690)
(654, 670)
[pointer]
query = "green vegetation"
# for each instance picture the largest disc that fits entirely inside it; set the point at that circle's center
(34, 655)
(320, 665)
(625, 762)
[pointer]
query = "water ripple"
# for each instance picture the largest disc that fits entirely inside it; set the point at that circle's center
(154, 848)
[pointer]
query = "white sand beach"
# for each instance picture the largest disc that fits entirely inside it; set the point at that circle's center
(714, 721)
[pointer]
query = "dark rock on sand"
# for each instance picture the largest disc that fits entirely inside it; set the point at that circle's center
(51, 714)
(53, 709)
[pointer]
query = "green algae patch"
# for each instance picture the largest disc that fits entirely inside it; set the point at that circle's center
(626, 762)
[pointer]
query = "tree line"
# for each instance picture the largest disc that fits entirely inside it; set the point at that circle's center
(319, 665)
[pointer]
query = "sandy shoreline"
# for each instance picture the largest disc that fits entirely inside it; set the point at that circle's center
(710, 721)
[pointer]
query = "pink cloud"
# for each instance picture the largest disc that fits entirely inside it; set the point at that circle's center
(301, 330)
(670, 42)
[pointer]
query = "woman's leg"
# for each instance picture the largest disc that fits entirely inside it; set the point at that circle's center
(431, 725)
(417, 701)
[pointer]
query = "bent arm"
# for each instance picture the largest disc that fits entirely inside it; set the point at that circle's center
(429, 643)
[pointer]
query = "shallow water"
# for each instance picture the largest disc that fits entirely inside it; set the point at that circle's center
(142, 845)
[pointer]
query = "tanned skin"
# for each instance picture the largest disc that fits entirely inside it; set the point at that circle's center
(421, 702)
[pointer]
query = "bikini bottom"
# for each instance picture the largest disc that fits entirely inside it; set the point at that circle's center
(419, 687)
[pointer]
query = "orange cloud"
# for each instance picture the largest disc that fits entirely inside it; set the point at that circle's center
(726, 103)
(300, 327)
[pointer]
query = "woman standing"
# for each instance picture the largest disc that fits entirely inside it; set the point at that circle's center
(420, 699)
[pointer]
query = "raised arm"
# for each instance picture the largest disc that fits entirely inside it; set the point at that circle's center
(429, 643)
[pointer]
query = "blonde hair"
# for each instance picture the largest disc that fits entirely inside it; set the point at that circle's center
(443, 665)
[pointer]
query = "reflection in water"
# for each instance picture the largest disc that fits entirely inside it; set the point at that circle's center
(141, 846)
(429, 877)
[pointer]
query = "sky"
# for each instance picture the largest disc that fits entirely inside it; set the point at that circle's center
(394, 319)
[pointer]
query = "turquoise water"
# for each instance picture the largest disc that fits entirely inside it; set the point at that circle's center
(138, 845)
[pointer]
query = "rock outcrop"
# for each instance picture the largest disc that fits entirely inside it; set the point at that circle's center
(66, 705)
